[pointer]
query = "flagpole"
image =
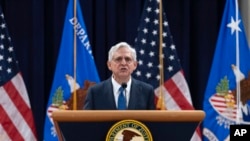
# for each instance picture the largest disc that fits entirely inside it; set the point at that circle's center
(161, 105)
(74, 92)
(238, 93)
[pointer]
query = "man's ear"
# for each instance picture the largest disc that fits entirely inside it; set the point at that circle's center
(109, 65)
(135, 64)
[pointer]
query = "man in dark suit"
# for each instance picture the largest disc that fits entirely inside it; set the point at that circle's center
(120, 91)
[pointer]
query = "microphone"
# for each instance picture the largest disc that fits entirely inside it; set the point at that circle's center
(124, 85)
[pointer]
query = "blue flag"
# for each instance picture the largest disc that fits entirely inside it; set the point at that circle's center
(225, 100)
(63, 82)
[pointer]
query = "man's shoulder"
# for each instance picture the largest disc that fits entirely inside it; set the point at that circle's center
(139, 82)
(103, 83)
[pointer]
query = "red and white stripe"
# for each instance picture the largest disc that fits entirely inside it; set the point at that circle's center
(16, 118)
(219, 104)
(177, 97)
(176, 93)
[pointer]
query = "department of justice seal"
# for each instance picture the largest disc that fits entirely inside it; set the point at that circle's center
(129, 130)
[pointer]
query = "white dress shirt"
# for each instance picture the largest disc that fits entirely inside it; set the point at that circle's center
(116, 92)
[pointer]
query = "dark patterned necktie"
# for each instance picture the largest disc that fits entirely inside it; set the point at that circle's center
(121, 99)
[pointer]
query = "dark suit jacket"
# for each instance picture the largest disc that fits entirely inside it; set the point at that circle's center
(101, 97)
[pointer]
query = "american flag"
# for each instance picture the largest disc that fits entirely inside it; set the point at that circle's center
(175, 89)
(16, 119)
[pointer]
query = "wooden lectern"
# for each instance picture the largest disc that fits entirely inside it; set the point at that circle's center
(93, 125)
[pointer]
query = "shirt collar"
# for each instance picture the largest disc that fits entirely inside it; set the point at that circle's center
(116, 85)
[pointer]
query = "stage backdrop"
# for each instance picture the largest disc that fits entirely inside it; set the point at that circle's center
(36, 28)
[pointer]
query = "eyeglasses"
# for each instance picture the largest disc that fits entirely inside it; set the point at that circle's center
(128, 60)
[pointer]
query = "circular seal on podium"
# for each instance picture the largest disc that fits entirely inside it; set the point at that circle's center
(129, 130)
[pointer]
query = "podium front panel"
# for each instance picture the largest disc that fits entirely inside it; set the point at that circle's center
(97, 131)
(94, 125)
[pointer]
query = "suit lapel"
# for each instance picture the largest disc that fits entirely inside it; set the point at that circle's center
(110, 95)
(133, 94)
